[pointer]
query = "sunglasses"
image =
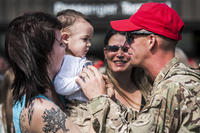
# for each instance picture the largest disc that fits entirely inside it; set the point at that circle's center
(130, 37)
(115, 48)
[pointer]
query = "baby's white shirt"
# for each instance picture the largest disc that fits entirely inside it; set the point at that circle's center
(64, 81)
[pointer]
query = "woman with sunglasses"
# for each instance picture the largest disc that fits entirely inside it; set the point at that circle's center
(128, 89)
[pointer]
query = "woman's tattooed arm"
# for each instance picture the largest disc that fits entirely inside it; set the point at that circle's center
(54, 120)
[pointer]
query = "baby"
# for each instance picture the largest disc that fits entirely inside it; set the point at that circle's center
(77, 32)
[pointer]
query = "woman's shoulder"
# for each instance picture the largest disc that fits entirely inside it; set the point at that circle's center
(42, 115)
(40, 105)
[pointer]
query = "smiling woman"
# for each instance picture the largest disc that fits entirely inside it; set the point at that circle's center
(127, 89)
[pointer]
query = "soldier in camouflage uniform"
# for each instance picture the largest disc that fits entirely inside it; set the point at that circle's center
(173, 105)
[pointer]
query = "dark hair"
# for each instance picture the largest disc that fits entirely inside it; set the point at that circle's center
(110, 33)
(29, 41)
(69, 16)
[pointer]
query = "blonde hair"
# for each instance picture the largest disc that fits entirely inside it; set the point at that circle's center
(69, 16)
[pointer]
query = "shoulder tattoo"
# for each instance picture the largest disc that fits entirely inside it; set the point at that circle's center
(54, 120)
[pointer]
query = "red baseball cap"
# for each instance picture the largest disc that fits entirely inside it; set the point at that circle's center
(158, 18)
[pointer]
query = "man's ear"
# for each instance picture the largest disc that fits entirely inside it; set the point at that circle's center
(151, 42)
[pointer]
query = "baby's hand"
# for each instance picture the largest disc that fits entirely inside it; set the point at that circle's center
(87, 63)
(91, 82)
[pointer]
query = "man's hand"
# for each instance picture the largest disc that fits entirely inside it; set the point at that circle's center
(91, 82)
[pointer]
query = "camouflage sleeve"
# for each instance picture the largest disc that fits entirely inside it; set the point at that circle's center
(171, 109)
(98, 108)
(109, 116)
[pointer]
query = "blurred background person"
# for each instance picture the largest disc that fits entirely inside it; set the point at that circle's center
(3, 67)
(7, 102)
(181, 55)
(98, 63)
(194, 63)
(183, 58)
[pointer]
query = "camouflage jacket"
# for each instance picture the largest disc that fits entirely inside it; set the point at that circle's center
(173, 105)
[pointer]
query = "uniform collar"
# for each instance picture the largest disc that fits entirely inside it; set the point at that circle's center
(164, 71)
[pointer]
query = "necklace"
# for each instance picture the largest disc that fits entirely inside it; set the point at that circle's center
(122, 94)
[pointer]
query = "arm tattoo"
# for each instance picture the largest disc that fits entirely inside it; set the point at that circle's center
(54, 120)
